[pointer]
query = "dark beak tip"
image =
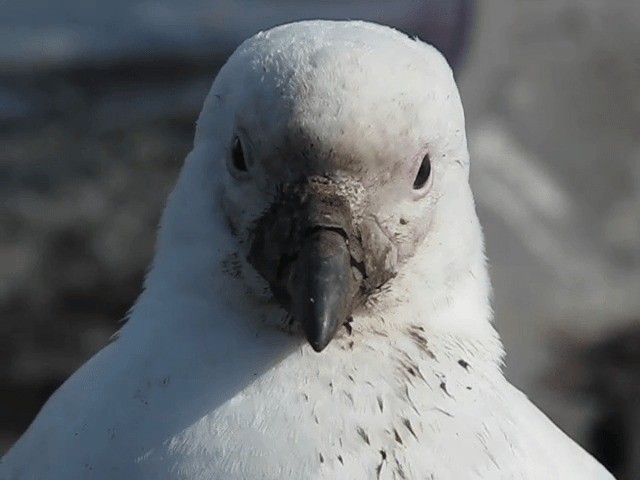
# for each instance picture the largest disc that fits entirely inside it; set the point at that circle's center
(318, 347)
(319, 339)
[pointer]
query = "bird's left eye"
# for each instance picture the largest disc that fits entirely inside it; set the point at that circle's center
(423, 173)
(237, 156)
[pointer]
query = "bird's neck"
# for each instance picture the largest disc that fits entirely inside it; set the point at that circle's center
(452, 310)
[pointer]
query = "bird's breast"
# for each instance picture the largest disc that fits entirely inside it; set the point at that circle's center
(365, 410)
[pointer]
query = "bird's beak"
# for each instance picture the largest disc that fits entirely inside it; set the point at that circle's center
(306, 248)
(320, 286)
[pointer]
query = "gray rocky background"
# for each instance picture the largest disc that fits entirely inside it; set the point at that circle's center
(552, 94)
(96, 115)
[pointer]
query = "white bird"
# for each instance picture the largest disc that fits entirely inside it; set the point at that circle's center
(326, 197)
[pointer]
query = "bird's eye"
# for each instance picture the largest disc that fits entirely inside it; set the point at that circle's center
(423, 173)
(237, 156)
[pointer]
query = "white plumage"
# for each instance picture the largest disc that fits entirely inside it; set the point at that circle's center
(208, 379)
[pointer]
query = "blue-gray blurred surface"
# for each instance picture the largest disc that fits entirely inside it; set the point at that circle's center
(37, 33)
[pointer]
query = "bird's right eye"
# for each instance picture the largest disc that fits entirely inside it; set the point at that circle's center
(238, 161)
(423, 173)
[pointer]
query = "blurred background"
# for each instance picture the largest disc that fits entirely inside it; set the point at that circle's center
(97, 108)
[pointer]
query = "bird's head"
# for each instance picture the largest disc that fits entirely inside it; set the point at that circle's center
(340, 147)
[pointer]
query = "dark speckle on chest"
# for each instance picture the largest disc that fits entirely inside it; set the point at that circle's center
(416, 333)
